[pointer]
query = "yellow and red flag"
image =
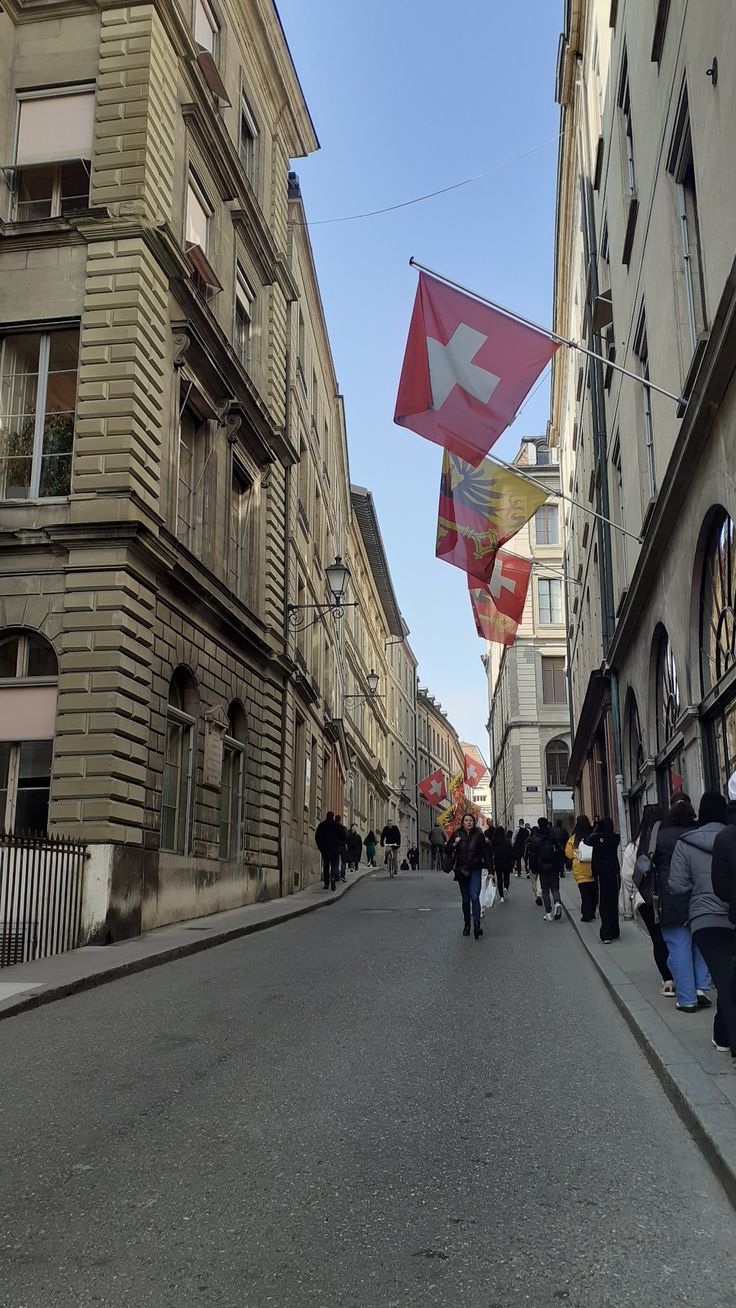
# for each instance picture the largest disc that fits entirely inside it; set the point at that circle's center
(489, 623)
(457, 786)
(479, 510)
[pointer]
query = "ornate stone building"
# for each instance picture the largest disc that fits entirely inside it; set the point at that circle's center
(438, 746)
(645, 275)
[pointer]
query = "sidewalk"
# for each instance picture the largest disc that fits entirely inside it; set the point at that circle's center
(31, 984)
(700, 1082)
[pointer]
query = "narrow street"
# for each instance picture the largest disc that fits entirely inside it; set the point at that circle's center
(357, 1108)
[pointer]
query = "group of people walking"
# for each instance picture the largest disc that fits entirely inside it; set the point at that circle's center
(679, 875)
(342, 849)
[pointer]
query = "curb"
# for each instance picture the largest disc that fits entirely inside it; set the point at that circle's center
(171, 954)
(708, 1114)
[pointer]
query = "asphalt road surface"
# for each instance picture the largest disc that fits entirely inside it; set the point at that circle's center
(360, 1107)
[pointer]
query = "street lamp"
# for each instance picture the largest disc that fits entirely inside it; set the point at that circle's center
(402, 782)
(372, 679)
(337, 576)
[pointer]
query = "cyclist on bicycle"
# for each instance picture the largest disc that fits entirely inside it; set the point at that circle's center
(437, 841)
(391, 840)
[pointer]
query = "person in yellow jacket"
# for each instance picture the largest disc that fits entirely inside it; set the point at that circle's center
(582, 868)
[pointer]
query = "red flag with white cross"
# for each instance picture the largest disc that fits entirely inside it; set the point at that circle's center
(509, 583)
(467, 368)
(473, 771)
(434, 788)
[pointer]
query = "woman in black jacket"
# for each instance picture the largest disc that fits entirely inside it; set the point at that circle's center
(467, 854)
(502, 856)
(606, 872)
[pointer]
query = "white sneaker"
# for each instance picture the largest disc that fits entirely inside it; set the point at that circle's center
(722, 1049)
(548, 918)
(558, 912)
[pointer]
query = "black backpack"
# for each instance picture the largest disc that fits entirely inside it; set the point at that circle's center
(644, 875)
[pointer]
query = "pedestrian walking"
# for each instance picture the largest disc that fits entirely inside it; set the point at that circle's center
(342, 848)
(354, 847)
(519, 846)
(545, 861)
(723, 871)
(466, 855)
(412, 855)
(666, 916)
(437, 842)
(502, 862)
(370, 843)
(605, 842)
(579, 854)
(708, 914)
(327, 840)
(561, 836)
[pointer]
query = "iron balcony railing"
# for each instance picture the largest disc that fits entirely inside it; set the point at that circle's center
(41, 889)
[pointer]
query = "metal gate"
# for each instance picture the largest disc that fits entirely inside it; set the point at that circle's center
(41, 886)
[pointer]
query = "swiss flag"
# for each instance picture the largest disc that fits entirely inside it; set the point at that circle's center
(473, 771)
(434, 788)
(467, 368)
(509, 583)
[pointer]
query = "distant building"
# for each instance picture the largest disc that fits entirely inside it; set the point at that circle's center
(528, 723)
(438, 746)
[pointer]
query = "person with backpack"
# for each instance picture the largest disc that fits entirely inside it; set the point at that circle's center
(354, 847)
(579, 855)
(684, 962)
(604, 842)
(708, 914)
(521, 839)
(502, 861)
(546, 860)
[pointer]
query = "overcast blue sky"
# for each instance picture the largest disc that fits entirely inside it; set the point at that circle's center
(408, 96)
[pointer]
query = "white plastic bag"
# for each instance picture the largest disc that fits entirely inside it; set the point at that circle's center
(488, 894)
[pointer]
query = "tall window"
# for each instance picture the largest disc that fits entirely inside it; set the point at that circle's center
(624, 104)
(248, 143)
(192, 466)
(636, 744)
(619, 507)
(177, 797)
(199, 213)
(240, 495)
(550, 600)
(37, 411)
(546, 525)
(244, 298)
(557, 758)
(206, 27)
(681, 167)
(232, 794)
(53, 153)
(554, 688)
(641, 350)
(718, 603)
(667, 692)
(28, 676)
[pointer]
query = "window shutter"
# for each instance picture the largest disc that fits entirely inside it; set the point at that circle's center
(56, 127)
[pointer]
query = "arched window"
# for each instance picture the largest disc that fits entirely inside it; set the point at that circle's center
(557, 756)
(636, 744)
(667, 692)
(233, 783)
(717, 604)
(177, 799)
(28, 676)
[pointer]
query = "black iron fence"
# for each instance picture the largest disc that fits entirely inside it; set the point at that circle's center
(41, 886)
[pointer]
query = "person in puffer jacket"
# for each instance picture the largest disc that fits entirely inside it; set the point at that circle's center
(724, 856)
(712, 931)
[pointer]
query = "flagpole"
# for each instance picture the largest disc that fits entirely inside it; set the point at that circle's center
(560, 495)
(547, 331)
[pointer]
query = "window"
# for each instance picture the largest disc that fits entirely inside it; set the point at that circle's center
(199, 213)
(28, 675)
(244, 298)
(660, 29)
(546, 525)
(624, 104)
(619, 508)
(550, 600)
(636, 744)
(543, 456)
(718, 603)
(206, 27)
(53, 153)
(248, 143)
(557, 758)
(233, 784)
(192, 466)
(37, 410)
(641, 350)
(554, 688)
(240, 496)
(680, 166)
(176, 801)
(667, 695)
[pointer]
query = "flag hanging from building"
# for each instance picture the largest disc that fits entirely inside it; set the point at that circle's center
(433, 788)
(480, 509)
(509, 583)
(467, 368)
(489, 623)
(457, 787)
(473, 771)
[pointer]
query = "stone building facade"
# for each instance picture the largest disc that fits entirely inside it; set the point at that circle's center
(144, 306)
(528, 723)
(645, 275)
(438, 746)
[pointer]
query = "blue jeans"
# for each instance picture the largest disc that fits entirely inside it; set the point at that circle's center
(470, 891)
(686, 963)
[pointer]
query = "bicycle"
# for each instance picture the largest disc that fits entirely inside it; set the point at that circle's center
(391, 851)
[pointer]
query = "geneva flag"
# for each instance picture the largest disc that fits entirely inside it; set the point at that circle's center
(489, 623)
(480, 509)
(467, 368)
